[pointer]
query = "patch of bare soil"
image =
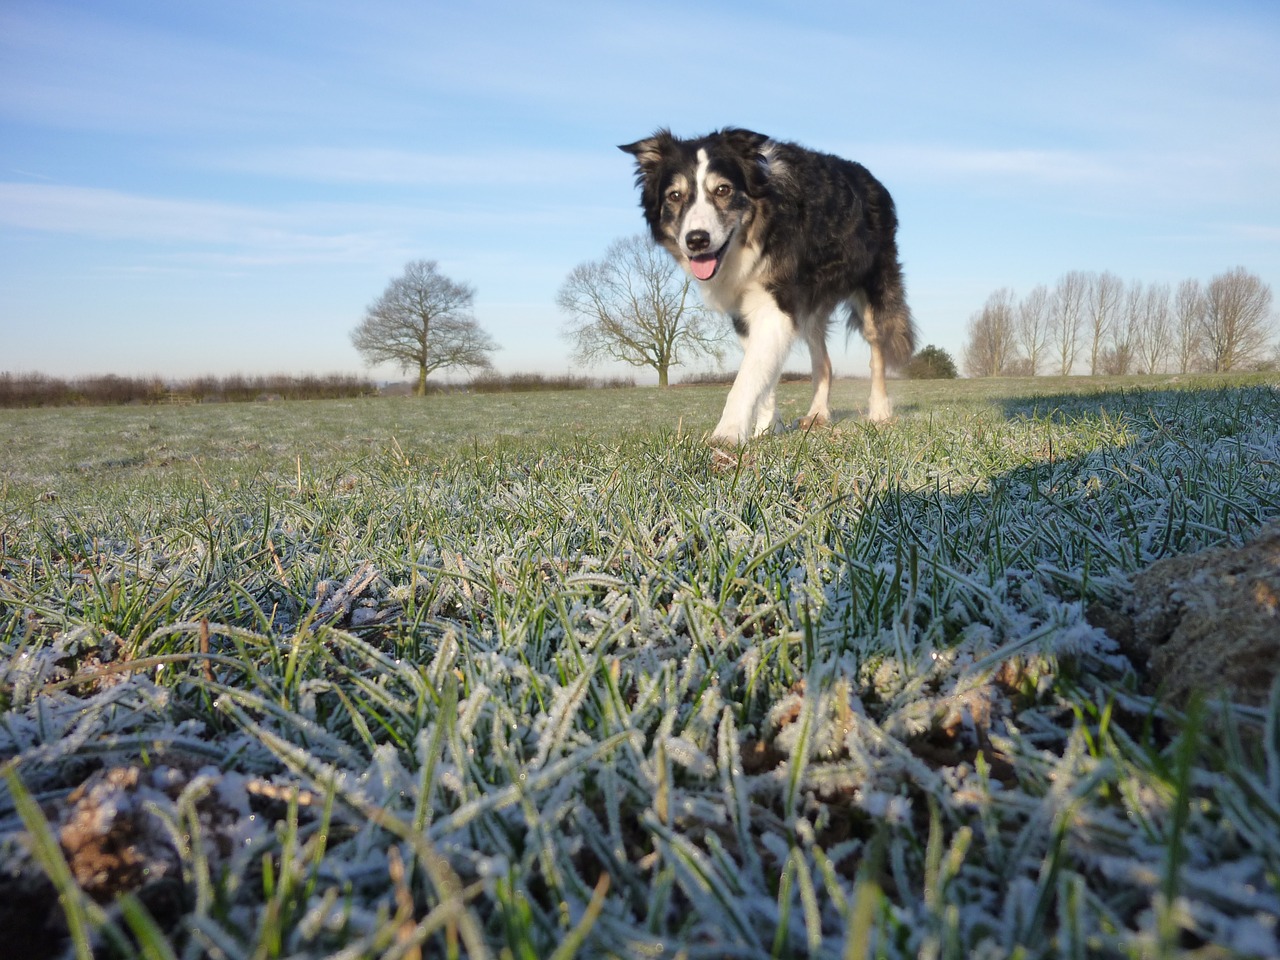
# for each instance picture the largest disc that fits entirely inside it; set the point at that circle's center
(113, 835)
(1205, 623)
(112, 841)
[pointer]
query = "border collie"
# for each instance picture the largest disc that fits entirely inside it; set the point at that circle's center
(778, 237)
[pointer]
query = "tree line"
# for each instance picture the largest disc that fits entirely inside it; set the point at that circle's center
(634, 306)
(1106, 325)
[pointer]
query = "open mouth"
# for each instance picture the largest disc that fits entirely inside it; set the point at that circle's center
(705, 265)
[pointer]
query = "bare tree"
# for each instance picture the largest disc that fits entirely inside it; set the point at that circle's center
(1065, 307)
(423, 321)
(1188, 319)
(635, 305)
(990, 351)
(1237, 324)
(1153, 341)
(1030, 323)
(1102, 303)
(1125, 332)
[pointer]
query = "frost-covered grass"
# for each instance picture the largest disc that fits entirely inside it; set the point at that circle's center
(526, 676)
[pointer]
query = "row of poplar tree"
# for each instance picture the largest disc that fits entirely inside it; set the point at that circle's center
(1097, 323)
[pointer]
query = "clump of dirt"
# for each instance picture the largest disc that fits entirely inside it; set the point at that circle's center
(1206, 622)
(112, 841)
(115, 831)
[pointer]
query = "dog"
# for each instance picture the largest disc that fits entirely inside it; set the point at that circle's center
(778, 237)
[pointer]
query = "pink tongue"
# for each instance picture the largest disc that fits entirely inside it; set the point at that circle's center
(703, 267)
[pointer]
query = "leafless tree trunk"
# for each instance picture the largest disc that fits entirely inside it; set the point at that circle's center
(635, 305)
(1188, 312)
(1064, 318)
(1237, 324)
(990, 350)
(1154, 342)
(1125, 331)
(1102, 304)
(423, 322)
(1032, 313)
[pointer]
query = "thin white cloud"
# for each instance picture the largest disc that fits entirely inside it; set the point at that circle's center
(1028, 166)
(373, 165)
(192, 233)
(1192, 176)
(226, 233)
(112, 214)
(1256, 232)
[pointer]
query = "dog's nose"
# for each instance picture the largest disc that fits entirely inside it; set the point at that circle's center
(696, 241)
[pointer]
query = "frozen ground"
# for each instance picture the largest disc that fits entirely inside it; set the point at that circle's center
(355, 680)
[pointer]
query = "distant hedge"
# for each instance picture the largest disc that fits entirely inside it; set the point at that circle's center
(528, 382)
(708, 378)
(38, 390)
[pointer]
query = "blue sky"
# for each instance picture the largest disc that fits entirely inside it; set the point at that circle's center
(191, 188)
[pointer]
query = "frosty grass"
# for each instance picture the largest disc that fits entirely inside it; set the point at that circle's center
(525, 677)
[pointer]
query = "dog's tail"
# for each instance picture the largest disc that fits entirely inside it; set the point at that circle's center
(897, 337)
(883, 317)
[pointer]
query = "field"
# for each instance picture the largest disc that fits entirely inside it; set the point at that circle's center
(526, 676)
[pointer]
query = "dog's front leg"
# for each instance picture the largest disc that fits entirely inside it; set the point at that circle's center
(820, 410)
(766, 412)
(767, 334)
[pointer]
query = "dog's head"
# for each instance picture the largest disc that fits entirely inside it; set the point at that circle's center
(700, 197)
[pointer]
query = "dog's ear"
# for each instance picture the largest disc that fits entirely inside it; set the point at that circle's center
(649, 152)
(754, 152)
(746, 143)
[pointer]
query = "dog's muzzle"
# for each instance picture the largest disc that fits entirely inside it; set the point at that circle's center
(704, 265)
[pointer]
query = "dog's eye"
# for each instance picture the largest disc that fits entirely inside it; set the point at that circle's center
(723, 190)
(675, 196)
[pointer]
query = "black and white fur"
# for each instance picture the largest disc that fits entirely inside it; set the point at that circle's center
(778, 237)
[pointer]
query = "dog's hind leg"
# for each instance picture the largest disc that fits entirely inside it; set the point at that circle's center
(820, 410)
(879, 406)
(863, 315)
(890, 332)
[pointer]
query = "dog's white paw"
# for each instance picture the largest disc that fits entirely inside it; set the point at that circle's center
(881, 410)
(729, 436)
